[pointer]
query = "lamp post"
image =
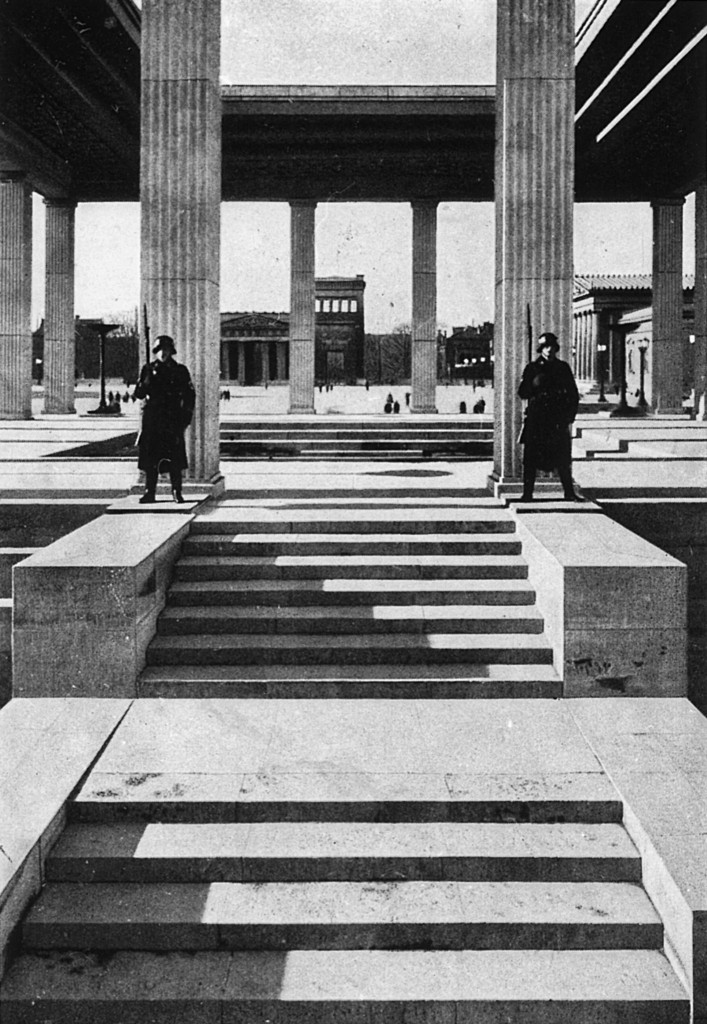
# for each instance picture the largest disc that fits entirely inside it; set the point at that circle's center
(601, 349)
(102, 330)
(642, 349)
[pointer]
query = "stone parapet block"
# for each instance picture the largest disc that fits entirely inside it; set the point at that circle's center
(86, 607)
(615, 606)
(46, 747)
(654, 753)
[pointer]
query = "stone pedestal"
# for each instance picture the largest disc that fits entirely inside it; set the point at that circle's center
(533, 197)
(302, 293)
(424, 308)
(180, 196)
(15, 297)
(59, 327)
(701, 301)
(667, 361)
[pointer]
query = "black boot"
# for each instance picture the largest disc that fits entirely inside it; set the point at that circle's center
(148, 497)
(175, 476)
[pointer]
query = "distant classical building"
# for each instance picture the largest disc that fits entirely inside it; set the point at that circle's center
(468, 352)
(255, 346)
(608, 308)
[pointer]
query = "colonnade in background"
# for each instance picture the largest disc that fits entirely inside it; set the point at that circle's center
(180, 218)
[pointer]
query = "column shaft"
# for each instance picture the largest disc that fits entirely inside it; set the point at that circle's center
(534, 183)
(424, 308)
(701, 301)
(302, 324)
(15, 297)
(59, 326)
(593, 345)
(180, 193)
(281, 356)
(241, 362)
(667, 306)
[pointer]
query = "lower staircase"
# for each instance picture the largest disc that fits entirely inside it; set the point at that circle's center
(509, 901)
(361, 897)
(422, 597)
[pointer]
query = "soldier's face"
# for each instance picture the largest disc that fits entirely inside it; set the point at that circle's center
(548, 352)
(163, 355)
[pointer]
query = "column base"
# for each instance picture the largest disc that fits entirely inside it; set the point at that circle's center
(423, 409)
(301, 410)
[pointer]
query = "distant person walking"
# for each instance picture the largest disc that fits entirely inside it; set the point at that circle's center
(549, 388)
(168, 393)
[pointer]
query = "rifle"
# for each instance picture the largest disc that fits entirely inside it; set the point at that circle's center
(146, 332)
(530, 333)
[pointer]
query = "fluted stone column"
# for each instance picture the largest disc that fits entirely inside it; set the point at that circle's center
(265, 361)
(534, 183)
(241, 362)
(593, 345)
(667, 358)
(281, 357)
(701, 301)
(59, 325)
(180, 195)
(302, 307)
(424, 308)
(15, 297)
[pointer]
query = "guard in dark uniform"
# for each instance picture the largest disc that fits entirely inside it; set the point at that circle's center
(168, 393)
(549, 387)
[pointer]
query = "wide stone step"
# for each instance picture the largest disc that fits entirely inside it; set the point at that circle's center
(352, 796)
(234, 519)
(351, 592)
(383, 680)
(343, 915)
(338, 648)
(358, 986)
(326, 567)
(344, 851)
(342, 619)
(472, 432)
(267, 544)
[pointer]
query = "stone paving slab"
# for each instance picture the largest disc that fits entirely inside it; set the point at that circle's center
(352, 796)
(343, 851)
(324, 987)
(344, 915)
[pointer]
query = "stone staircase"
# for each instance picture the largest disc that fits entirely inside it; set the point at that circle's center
(416, 598)
(512, 900)
(400, 437)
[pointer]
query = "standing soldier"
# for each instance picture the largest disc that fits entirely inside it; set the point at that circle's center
(548, 386)
(168, 392)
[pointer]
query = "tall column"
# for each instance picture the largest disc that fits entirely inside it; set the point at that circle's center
(701, 301)
(15, 297)
(534, 183)
(593, 344)
(59, 325)
(180, 196)
(667, 306)
(281, 356)
(241, 362)
(424, 308)
(302, 307)
(265, 361)
(574, 361)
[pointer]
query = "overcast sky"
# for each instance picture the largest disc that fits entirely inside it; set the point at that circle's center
(372, 42)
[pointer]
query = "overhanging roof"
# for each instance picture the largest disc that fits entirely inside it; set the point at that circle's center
(69, 114)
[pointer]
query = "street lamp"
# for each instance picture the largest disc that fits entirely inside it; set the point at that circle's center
(103, 409)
